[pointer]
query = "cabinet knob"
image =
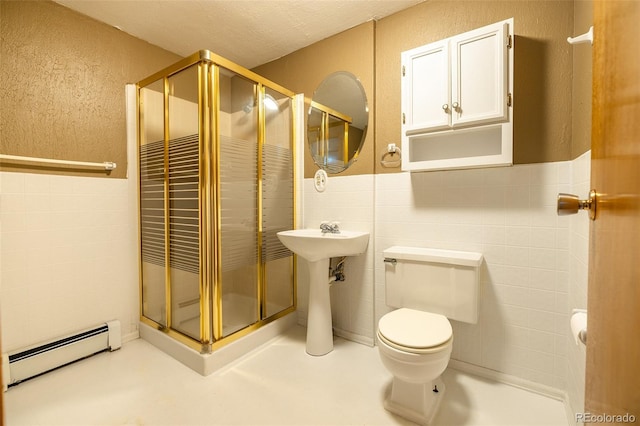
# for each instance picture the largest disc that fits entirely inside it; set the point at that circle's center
(456, 106)
(445, 107)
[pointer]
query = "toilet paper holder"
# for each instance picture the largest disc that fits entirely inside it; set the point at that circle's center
(581, 326)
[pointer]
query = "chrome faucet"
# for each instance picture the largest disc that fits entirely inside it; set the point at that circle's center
(330, 227)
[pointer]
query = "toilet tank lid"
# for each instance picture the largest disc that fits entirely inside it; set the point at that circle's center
(423, 254)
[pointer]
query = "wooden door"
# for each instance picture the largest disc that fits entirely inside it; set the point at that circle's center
(613, 342)
(1, 391)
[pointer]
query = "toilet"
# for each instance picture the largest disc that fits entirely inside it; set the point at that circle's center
(428, 287)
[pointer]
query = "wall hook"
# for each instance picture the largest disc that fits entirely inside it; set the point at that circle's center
(584, 38)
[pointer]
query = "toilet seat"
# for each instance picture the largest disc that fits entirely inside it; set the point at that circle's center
(415, 331)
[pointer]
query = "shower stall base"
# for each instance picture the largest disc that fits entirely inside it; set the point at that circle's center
(235, 320)
(206, 364)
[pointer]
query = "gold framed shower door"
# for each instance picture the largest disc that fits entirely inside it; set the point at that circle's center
(156, 220)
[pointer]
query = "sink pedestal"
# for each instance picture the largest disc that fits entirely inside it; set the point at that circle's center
(317, 247)
(319, 326)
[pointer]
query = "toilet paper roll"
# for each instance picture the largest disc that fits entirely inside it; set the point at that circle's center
(579, 325)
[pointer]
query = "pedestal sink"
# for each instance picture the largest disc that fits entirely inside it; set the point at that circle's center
(317, 248)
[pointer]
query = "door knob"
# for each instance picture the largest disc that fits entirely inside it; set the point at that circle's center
(570, 204)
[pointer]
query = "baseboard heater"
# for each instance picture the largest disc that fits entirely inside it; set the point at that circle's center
(33, 361)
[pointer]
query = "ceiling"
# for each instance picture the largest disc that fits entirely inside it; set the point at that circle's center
(248, 32)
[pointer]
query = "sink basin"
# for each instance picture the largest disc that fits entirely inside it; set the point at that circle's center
(317, 248)
(313, 245)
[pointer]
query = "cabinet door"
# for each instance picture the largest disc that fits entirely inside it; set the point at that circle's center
(479, 76)
(425, 87)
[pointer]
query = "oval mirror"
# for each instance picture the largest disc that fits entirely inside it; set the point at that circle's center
(337, 122)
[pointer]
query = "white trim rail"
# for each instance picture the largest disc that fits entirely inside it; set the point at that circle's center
(107, 165)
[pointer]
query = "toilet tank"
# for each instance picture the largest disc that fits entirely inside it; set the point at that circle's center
(445, 282)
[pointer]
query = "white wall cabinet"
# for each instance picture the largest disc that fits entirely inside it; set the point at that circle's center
(457, 101)
(426, 94)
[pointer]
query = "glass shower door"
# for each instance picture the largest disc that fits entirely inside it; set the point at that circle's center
(277, 202)
(183, 207)
(238, 202)
(216, 185)
(152, 203)
(169, 203)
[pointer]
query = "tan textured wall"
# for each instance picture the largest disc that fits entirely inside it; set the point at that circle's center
(62, 80)
(62, 76)
(543, 68)
(303, 71)
(582, 75)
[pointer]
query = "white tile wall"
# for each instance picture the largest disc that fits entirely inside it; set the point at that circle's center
(348, 200)
(508, 214)
(577, 281)
(68, 256)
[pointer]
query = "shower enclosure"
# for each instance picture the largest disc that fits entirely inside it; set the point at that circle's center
(216, 167)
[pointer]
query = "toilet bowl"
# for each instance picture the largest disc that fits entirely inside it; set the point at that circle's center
(428, 286)
(415, 347)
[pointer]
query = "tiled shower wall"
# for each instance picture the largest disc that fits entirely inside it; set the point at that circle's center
(507, 214)
(68, 256)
